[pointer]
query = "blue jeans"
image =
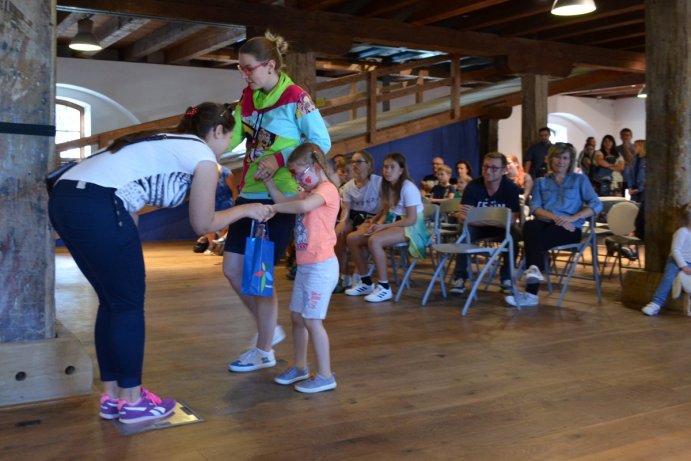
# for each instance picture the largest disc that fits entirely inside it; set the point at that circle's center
(665, 286)
(104, 242)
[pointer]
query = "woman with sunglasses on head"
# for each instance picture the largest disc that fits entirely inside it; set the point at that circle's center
(274, 116)
(93, 208)
(360, 203)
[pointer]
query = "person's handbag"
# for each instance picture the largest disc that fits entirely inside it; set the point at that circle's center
(258, 268)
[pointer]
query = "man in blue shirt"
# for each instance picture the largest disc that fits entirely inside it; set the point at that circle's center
(493, 189)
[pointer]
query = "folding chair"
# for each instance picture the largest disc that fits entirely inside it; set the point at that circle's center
(483, 216)
(430, 213)
(576, 253)
(448, 231)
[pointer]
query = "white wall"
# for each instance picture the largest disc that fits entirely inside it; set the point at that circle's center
(582, 117)
(119, 91)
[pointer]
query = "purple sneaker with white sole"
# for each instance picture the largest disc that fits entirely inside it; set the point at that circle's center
(148, 408)
(109, 407)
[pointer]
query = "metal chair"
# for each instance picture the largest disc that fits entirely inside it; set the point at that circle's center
(621, 220)
(430, 214)
(483, 216)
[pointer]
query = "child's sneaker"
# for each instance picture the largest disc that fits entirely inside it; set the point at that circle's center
(506, 286)
(379, 294)
(651, 309)
(361, 289)
(458, 287)
(279, 335)
(533, 275)
(317, 384)
(148, 408)
(292, 375)
(253, 359)
(109, 407)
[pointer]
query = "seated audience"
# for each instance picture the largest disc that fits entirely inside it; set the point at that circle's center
(516, 173)
(679, 261)
(561, 202)
(444, 190)
(492, 189)
(360, 203)
(399, 220)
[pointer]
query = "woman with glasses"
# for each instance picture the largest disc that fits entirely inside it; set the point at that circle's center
(274, 116)
(360, 203)
(93, 207)
(562, 201)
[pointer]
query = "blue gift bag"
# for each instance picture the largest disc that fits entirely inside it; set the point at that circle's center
(258, 268)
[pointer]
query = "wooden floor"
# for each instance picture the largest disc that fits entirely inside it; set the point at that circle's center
(584, 382)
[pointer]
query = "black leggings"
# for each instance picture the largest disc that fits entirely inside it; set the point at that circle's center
(538, 237)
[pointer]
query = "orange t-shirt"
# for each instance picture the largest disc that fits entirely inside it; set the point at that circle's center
(315, 234)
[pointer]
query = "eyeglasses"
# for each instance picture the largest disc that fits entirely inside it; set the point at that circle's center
(301, 176)
(247, 70)
(493, 169)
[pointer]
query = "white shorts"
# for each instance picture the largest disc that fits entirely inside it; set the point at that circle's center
(312, 288)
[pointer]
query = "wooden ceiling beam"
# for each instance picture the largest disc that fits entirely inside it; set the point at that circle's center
(116, 28)
(160, 39)
(70, 20)
(369, 30)
(379, 8)
(204, 43)
(594, 29)
(607, 12)
(497, 16)
(439, 11)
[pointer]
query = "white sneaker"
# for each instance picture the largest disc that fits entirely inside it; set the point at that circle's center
(506, 286)
(360, 289)
(279, 335)
(651, 309)
(533, 275)
(253, 359)
(525, 299)
(379, 294)
(458, 287)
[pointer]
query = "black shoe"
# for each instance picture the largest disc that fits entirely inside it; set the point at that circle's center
(200, 247)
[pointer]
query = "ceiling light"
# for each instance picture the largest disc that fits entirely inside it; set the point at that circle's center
(572, 7)
(85, 40)
(642, 93)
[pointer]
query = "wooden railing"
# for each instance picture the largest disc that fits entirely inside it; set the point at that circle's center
(375, 92)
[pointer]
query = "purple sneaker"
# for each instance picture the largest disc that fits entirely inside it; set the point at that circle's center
(149, 407)
(109, 407)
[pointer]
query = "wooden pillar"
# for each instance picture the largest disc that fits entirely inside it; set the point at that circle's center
(456, 87)
(668, 123)
(534, 106)
(302, 68)
(35, 365)
(489, 135)
(668, 130)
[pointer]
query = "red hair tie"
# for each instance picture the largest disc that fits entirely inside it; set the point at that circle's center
(191, 112)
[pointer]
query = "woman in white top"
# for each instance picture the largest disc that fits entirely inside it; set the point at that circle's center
(93, 207)
(400, 219)
(360, 203)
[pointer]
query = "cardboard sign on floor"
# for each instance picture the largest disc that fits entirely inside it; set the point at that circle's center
(182, 415)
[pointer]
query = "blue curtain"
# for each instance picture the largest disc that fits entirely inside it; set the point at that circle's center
(452, 143)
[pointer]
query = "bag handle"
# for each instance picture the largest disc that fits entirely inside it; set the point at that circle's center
(264, 229)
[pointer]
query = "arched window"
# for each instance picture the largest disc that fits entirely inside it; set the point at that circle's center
(71, 123)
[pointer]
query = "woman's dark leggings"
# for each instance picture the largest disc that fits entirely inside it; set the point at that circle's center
(104, 242)
(538, 237)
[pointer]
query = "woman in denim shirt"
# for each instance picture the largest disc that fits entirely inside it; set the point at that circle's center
(562, 201)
